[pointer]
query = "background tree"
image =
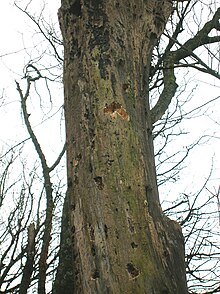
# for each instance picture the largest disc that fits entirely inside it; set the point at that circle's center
(30, 226)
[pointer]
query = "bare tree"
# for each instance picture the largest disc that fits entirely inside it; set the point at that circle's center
(169, 55)
(197, 214)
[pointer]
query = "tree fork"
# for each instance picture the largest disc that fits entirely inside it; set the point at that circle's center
(121, 240)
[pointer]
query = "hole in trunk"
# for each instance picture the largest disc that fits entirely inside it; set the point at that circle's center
(132, 270)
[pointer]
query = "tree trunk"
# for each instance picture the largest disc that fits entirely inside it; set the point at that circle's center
(121, 240)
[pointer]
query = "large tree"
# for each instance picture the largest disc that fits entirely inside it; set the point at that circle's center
(115, 237)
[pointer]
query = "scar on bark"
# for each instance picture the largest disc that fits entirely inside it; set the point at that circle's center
(130, 224)
(132, 270)
(91, 233)
(134, 245)
(95, 275)
(116, 108)
(99, 183)
(76, 8)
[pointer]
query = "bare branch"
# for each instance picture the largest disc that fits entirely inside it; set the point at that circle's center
(45, 34)
(28, 269)
(168, 92)
(47, 184)
(201, 38)
(58, 158)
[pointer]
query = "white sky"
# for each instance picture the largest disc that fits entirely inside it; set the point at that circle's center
(17, 32)
(20, 36)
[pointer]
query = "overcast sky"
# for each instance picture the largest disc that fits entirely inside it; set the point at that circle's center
(18, 35)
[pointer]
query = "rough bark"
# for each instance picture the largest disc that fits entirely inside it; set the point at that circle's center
(121, 240)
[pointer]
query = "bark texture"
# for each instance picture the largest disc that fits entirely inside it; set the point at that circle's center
(121, 242)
